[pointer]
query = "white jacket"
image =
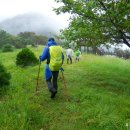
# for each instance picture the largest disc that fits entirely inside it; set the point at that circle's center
(69, 52)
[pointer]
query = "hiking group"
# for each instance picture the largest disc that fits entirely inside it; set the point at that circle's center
(70, 55)
(53, 54)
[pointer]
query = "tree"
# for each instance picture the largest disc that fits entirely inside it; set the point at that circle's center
(32, 38)
(18, 42)
(5, 38)
(40, 40)
(22, 39)
(110, 19)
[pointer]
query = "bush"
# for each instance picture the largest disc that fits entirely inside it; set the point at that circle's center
(126, 54)
(26, 58)
(7, 48)
(119, 53)
(122, 53)
(4, 76)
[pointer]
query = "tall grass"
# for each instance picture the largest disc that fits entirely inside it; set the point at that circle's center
(99, 89)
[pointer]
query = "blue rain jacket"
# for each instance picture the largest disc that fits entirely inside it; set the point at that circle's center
(46, 56)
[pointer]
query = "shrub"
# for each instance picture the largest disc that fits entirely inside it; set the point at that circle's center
(26, 58)
(119, 53)
(126, 54)
(7, 48)
(4, 76)
(122, 53)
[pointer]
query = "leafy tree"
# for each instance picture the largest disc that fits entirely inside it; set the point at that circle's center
(40, 40)
(22, 39)
(102, 20)
(4, 76)
(27, 35)
(33, 39)
(26, 58)
(18, 42)
(5, 38)
(84, 34)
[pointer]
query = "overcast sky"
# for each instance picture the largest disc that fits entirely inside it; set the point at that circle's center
(11, 8)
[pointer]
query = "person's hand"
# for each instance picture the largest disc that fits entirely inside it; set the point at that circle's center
(40, 58)
(61, 69)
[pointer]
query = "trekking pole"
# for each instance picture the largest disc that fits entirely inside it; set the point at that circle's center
(67, 92)
(38, 75)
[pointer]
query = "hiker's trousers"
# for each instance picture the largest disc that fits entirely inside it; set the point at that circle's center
(69, 58)
(52, 84)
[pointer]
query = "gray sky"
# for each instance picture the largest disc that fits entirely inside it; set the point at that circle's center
(11, 8)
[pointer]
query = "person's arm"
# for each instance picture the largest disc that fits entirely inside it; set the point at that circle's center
(45, 54)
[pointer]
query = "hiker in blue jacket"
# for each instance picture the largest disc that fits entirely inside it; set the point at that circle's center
(51, 49)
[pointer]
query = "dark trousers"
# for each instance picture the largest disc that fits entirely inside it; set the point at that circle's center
(52, 85)
(69, 58)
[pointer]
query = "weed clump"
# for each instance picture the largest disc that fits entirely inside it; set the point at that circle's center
(26, 58)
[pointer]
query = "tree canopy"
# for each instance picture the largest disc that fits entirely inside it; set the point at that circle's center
(97, 21)
(22, 39)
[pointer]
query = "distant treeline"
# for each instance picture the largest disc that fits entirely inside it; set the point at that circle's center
(22, 39)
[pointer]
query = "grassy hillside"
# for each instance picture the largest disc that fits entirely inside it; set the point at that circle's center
(99, 96)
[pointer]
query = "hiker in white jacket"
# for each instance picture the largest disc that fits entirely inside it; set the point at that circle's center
(69, 55)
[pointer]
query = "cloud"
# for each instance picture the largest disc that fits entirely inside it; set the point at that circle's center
(11, 8)
(32, 22)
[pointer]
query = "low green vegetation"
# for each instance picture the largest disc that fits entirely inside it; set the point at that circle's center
(26, 58)
(99, 96)
(4, 76)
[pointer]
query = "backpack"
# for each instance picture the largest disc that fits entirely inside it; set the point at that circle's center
(55, 58)
(77, 53)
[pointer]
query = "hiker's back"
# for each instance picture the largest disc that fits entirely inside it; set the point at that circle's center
(78, 53)
(69, 52)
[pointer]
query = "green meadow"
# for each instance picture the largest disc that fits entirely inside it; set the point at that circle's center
(99, 95)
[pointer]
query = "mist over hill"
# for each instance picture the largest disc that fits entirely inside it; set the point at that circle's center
(32, 22)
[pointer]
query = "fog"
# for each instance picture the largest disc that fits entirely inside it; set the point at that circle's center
(33, 22)
(31, 15)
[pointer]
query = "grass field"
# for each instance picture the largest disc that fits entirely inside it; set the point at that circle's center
(99, 96)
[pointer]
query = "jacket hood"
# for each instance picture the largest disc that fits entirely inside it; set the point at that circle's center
(51, 39)
(51, 43)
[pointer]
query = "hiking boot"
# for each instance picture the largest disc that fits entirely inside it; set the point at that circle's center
(53, 94)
